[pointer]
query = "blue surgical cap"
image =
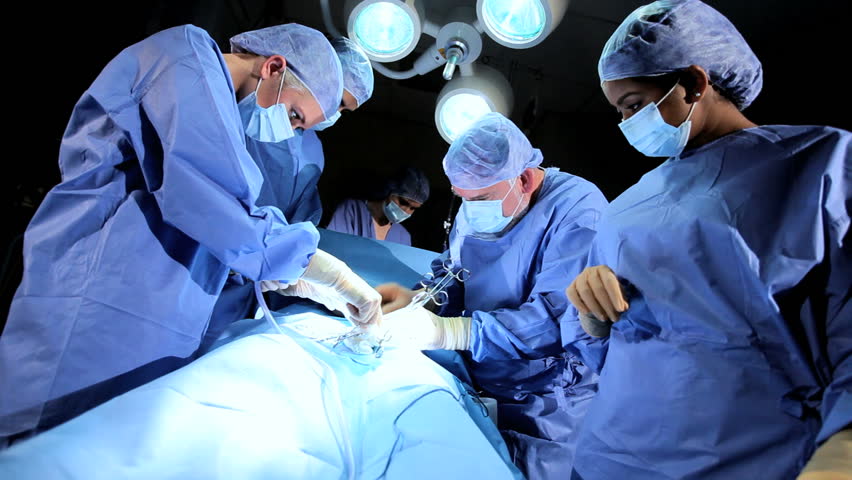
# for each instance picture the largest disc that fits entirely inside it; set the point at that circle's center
(410, 183)
(357, 70)
(310, 57)
(670, 35)
(491, 150)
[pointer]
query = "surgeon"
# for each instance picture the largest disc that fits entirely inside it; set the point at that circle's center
(519, 231)
(726, 269)
(291, 170)
(381, 216)
(125, 258)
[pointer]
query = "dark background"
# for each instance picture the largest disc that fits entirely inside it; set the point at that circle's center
(53, 51)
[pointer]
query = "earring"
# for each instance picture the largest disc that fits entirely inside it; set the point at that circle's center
(697, 94)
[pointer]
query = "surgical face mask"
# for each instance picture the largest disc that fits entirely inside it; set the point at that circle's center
(486, 216)
(271, 124)
(652, 136)
(327, 123)
(394, 212)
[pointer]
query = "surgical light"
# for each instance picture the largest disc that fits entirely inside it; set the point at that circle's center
(459, 112)
(520, 23)
(466, 98)
(387, 29)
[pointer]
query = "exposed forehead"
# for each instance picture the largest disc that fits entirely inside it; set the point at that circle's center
(614, 90)
(478, 192)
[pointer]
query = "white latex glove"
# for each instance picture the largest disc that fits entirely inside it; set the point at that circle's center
(272, 285)
(363, 302)
(424, 330)
(322, 295)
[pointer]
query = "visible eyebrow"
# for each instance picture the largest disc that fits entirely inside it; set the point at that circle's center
(621, 98)
(476, 198)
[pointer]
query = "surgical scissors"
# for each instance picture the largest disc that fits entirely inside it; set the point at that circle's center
(435, 288)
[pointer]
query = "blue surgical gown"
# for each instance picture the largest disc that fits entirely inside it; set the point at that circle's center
(291, 170)
(516, 298)
(125, 258)
(353, 217)
(733, 360)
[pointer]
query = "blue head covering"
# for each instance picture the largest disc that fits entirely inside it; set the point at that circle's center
(670, 35)
(410, 183)
(357, 70)
(309, 56)
(491, 150)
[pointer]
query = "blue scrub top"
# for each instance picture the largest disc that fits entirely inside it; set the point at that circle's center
(291, 170)
(516, 298)
(735, 357)
(353, 217)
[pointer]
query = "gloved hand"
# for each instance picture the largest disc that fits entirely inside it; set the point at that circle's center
(597, 296)
(322, 295)
(272, 285)
(395, 296)
(363, 303)
(424, 330)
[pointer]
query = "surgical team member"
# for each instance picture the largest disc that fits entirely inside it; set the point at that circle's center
(733, 356)
(381, 217)
(125, 258)
(291, 170)
(520, 229)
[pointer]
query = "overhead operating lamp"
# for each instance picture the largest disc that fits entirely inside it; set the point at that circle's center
(389, 30)
(464, 99)
(519, 23)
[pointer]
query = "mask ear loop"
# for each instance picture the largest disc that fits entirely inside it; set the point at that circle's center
(257, 89)
(519, 199)
(281, 86)
(691, 107)
(669, 93)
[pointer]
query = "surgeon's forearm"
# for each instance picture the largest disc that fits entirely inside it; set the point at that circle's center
(831, 461)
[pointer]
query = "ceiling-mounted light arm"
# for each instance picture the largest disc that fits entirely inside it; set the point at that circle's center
(326, 19)
(430, 28)
(461, 42)
(428, 61)
(396, 75)
(456, 52)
